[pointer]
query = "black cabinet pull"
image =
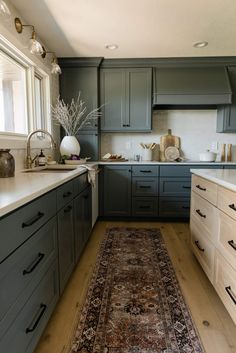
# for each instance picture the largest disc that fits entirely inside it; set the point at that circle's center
(43, 307)
(67, 194)
(85, 197)
(232, 296)
(68, 209)
(144, 207)
(145, 171)
(201, 214)
(198, 246)
(232, 206)
(126, 125)
(200, 187)
(34, 264)
(144, 187)
(32, 220)
(186, 187)
(186, 207)
(232, 243)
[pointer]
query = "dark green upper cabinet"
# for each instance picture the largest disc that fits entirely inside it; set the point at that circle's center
(191, 86)
(126, 95)
(226, 115)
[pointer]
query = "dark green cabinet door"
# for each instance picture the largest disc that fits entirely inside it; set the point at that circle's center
(226, 115)
(117, 190)
(87, 196)
(127, 98)
(138, 99)
(81, 79)
(65, 244)
(113, 99)
(89, 144)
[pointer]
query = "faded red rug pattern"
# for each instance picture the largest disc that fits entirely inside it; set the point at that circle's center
(134, 303)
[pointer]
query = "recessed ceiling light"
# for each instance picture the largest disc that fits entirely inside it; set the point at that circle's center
(200, 44)
(111, 46)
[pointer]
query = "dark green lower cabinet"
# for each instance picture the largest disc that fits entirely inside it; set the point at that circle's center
(175, 207)
(144, 206)
(117, 190)
(65, 243)
(82, 220)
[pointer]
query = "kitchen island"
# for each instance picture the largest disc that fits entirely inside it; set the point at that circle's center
(213, 224)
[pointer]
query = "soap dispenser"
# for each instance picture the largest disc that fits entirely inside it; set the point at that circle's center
(42, 159)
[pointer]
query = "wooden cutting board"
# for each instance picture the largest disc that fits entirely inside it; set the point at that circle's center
(167, 141)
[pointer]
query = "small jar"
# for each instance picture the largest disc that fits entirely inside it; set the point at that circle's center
(7, 164)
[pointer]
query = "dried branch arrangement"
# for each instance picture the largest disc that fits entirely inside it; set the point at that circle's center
(72, 117)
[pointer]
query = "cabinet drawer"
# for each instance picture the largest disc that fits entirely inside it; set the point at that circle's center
(205, 188)
(80, 183)
(226, 242)
(144, 186)
(203, 250)
(64, 194)
(23, 334)
(227, 201)
(174, 207)
(225, 284)
(21, 224)
(144, 207)
(175, 187)
(175, 171)
(20, 273)
(205, 214)
(145, 170)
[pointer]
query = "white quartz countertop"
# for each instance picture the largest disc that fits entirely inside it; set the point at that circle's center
(223, 177)
(166, 163)
(25, 187)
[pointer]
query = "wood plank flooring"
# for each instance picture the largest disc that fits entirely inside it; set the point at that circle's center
(216, 329)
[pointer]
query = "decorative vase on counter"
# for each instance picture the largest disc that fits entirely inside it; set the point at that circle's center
(7, 164)
(69, 145)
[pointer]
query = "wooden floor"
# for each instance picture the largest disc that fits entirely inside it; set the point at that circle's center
(216, 329)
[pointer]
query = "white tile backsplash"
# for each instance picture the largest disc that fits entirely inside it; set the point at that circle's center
(196, 128)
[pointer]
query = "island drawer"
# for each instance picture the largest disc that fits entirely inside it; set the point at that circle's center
(175, 187)
(226, 242)
(144, 207)
(20, 272)
(203, 249)
(22, 223)
(205, 189)
(225, 284)
(227, 201)
(80, 183)
(65, 194)
(23, 334)
(145, 170)
(144, 186)
(205, 214)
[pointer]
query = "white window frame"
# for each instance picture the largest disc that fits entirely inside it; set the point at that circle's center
(16, 140)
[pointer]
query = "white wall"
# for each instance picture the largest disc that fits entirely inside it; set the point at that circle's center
(196, 128)
(20, 41)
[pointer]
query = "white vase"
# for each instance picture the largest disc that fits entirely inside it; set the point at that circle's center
(69, 145)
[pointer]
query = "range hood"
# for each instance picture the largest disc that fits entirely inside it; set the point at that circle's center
(191, 86)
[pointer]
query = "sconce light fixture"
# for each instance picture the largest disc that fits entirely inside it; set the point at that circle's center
(55, 67)
(34, 46)
(4, 9)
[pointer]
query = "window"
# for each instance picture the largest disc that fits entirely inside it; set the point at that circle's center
(13, 102)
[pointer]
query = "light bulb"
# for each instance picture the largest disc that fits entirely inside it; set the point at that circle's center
(4, 9)
(55, 68)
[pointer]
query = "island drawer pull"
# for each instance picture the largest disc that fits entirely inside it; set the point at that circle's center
(43, 307)
(67, 194)
(232, 206)
(232, 243)
(231, 294)
(198, 246)
(34, 264)
(200, 214)
(145, 187)
(33, 220)
(200, 187)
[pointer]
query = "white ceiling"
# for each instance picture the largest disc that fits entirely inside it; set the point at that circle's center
(147, 28)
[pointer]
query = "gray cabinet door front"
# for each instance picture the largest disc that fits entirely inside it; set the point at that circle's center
(117, 191)
(89, 144)
(113, 99)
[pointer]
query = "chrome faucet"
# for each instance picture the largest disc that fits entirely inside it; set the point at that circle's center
(29, 160)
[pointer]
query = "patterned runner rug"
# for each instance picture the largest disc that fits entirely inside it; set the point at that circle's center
(134, 303)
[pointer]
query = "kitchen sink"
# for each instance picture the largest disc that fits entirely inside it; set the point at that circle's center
(52, 169)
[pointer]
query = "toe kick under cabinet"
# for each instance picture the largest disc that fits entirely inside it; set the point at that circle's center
(213, 237)
(40, 243)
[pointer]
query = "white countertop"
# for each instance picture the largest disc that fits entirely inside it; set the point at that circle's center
(223, 177)
(25, 187)
(166, 163)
